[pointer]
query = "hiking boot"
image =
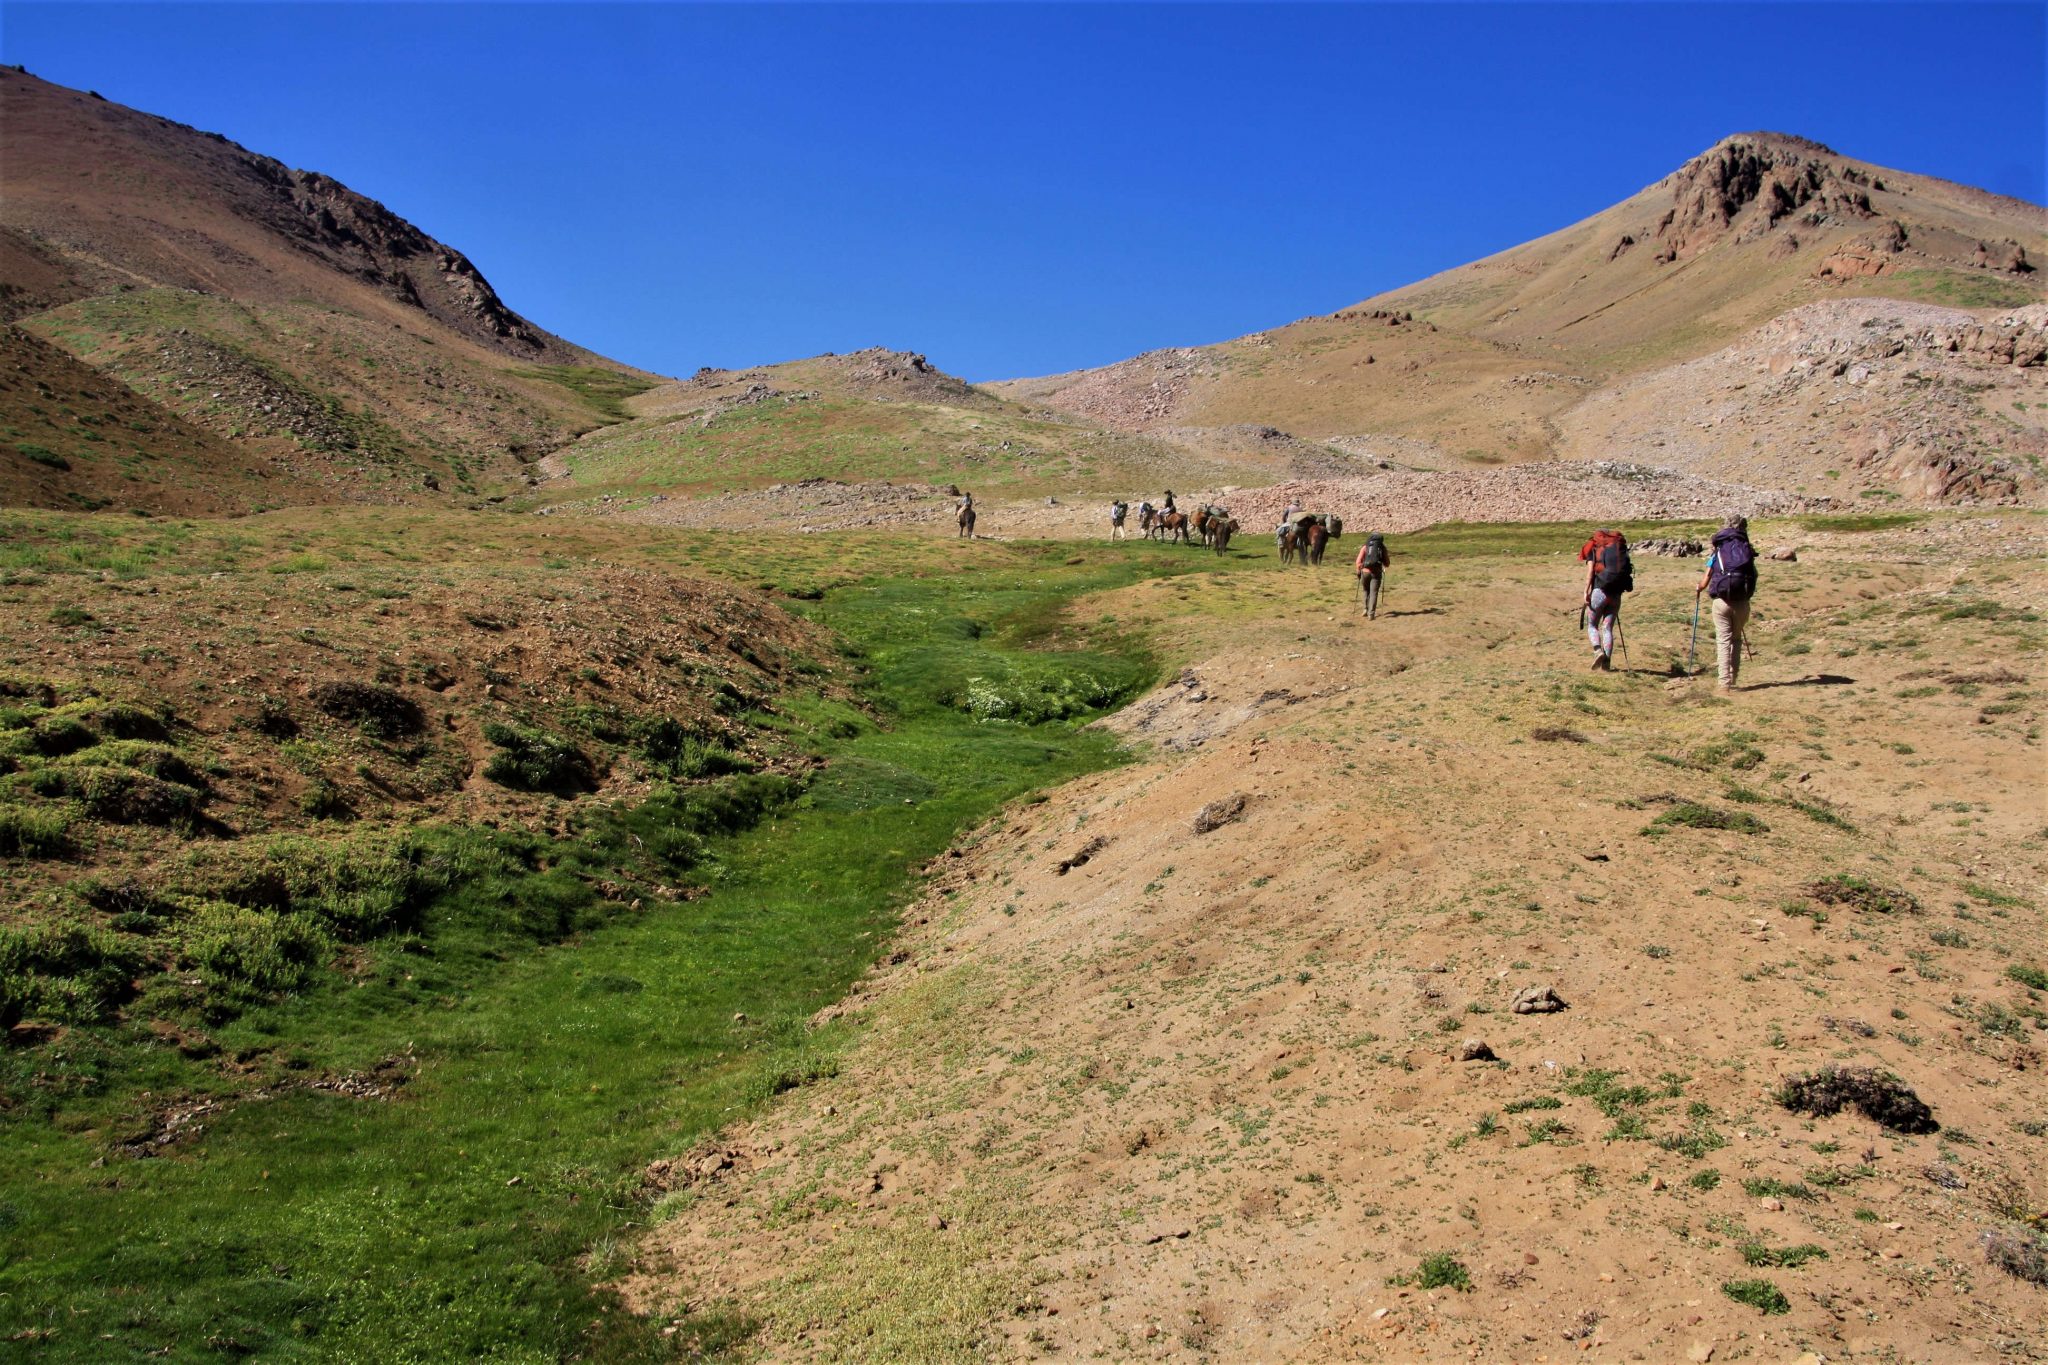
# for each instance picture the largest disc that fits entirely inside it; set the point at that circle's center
(1601, 663)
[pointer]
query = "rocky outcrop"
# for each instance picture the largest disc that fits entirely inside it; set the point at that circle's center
(2007, 255)
(1747, 186)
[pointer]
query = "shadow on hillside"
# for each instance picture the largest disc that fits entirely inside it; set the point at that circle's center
(1813, 680)
(1419, 611)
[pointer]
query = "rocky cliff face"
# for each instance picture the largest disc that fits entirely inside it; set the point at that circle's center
(1748, 186)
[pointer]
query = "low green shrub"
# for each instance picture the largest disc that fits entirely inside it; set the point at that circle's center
(359, 886)
(34, 831)
(2033, 978)
(530, 760)
(237, 951)
(1761, 1295)
(1858, 894)
(67, 971)
(1693, 815)
(122, 796)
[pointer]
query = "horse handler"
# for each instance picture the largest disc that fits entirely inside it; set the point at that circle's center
(1371, 567)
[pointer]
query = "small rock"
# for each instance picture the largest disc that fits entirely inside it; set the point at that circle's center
(1787, 556)
(739, 1018)
(1539, 1000)
(1475, 1050)
(1528, 1258)
(935, 1223)
(1657, 1183)
(1700, 1352)
(1771, 1205)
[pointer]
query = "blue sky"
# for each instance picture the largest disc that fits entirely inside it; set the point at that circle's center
(1019, 189)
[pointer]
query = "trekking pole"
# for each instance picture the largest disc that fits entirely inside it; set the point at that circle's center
(1692, 647)
(1622, 639)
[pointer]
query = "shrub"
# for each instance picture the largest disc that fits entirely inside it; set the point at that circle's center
(237, 950)
(1788, 1258)
(681, 754)
(1761, 1295)
(2018, 1252)
(54, 736)
(1858, 894)
(31, 832)
(1693, 815)
(158, 760)
(40, 454)
(119, 720)
(1439, 1270)
(359, 886)
(2031, 977)
(121, 795)
(532, 761)
(1882, 1098)
(74, 972)
(379, 712)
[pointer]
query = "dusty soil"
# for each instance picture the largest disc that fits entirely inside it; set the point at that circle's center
(1127, 1090)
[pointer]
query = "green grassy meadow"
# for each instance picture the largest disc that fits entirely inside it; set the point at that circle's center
(433, 1154)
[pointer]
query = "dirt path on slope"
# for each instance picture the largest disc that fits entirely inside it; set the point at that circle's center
(1133, 1091)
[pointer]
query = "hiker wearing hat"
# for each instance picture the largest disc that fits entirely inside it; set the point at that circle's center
(1730, 580)
(1371, 566)
(1609, 574)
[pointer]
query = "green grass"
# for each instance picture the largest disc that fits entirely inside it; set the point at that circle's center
(1960, 288)
(2033, 978)
(1761, 1295)
(1788, 1258)
(545, 1042)
(1694, 815)
(1438, 1270)
(604, 391)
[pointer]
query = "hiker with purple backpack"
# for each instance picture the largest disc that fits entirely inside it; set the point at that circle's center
(1730, 580)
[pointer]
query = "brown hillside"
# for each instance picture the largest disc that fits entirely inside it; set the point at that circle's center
(73, 437)
(309, 319)
(1482, 360)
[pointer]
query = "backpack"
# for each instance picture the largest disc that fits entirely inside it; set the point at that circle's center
(1375, 551)
(1612, 571)
(1734, 575)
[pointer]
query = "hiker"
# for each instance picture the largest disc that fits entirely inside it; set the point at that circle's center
(964, 518)
(1608, 575)
(1293, 510)
(1118, 510)
(1730, 579)
(1371, 567)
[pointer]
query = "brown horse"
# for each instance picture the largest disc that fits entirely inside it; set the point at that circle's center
(1174, 526)
(1221, 530)
(1289, 539)
(966, 521)
(1318, 541)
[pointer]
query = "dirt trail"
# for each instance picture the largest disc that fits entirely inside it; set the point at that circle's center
(1132, 1091)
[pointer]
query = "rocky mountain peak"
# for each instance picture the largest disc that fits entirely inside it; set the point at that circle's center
(1747, 185)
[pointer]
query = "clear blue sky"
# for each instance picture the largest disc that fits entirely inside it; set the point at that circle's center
(1023, 189)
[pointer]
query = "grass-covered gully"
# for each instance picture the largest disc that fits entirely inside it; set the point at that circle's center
(351, 984)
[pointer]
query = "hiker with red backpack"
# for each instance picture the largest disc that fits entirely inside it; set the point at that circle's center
(1730, 580)
(1371, 567)
(1609, 574)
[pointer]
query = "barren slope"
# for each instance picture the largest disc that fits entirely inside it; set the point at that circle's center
(1482, 360)
(1134, 1090)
